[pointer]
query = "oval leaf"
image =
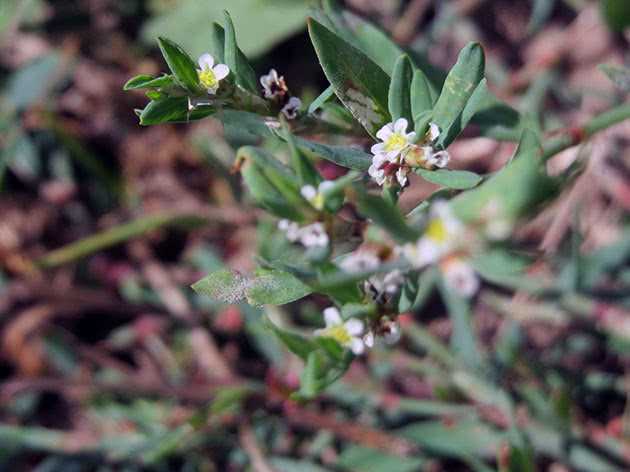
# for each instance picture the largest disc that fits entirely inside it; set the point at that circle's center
(361, 85)
(457, 179)
(399, 97)
(182, 66)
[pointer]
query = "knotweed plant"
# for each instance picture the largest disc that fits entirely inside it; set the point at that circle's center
(386, 123)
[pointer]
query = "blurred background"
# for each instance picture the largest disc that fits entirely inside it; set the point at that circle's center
(109, 361)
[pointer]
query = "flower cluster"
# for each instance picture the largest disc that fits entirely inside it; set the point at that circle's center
(313, 235)
(276, 90)
(382, 286)
(397, 153)
(447, 243)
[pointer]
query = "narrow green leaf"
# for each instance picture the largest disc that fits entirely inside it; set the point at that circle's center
(222, 285)
(297, 344)
(457, 179)
(463, 339)
(236, 60)
(361, 85)
(182, 66)
(421, 100)
(321, 99)
(172, 110)
(302, 166)
(477, 102)
(399, 98)
(344, 156)
(387, 216)
(148, 81)
(516, 189)
(217, 42)
(461, 82)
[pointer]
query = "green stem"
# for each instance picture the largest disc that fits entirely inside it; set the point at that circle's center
(113, 236)
(576, 135)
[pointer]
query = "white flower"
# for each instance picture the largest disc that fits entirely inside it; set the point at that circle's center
(376, 170)
(290, 228)
(348, 333)
(273, 85)
(460, 276)
(401, 175)
(437, 159)
(315, 196)
(210, 74)
(395, 139)
(290, 110)
(391, 332)
(360, 261)
(497, 226)
(314, 235)
(440, 236)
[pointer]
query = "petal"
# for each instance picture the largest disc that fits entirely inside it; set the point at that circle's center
(411, 137)
(434, 131)
(221, 71)
(401, 126)
(332, 316)
(368, 339)
(206, 61)
(357, 346)
(385, 132)
(308, 192)
(378, 148)
(354, 326)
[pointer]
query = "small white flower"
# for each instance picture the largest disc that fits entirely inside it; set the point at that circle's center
(315, 196)
(376, 170)
(360, 261)
(460, 276)
(401, 175)
(368, 339)
(440, 236)
(290, 110)
(395, 139)
(437, 159)
(210, 74)
(290, 228)
(391, 332)
(273, 85)
(497, 226)
(347, 333)
(314, 235)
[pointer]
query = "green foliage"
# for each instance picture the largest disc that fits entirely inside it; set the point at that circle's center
(181, 65)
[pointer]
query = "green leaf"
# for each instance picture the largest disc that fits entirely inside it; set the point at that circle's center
(387, 216)
(302, 166)
(30, 83)
(477, 102)
(236, 60)
(172, 110)
(421, 99)
(273, 287)
(463, 339)
(344, 156)
(297, 344)
(361, 85)
(272, 184)
(361, 459)
(182, 66)
(616, 13)
(321, 99)
(461, 82)
(516, 189)
(399, 98)
(148, 81)
(457, 179)
(311, 378)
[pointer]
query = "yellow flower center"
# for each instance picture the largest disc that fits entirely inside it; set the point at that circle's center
(207, 78)
(339, 333)
(395, 142)
(318, 201)
(436, 230)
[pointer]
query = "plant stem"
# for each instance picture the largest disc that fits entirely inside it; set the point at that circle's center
(113, 236)
(576, 135)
